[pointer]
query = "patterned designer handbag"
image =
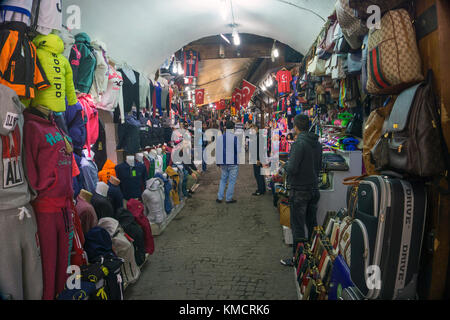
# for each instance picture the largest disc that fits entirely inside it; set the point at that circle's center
(393, 62)
(352, 27)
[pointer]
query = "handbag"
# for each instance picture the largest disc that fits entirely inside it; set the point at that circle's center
(354, 128)
(352, 28)
(364, 63)
(327, 44)
(411, 141)
(372, 132)
(316, 66)
(354, 61)
(394, 62)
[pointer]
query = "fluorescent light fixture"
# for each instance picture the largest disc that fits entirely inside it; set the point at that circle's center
(236, 38)
(276, 54)
(225, 38)
(263, 87)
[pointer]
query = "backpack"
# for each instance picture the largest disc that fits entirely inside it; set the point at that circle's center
(137, 209)
(112, 288)
(411, 141)
(134, 230)
(393, 62)
(98, 243)
(123, 247)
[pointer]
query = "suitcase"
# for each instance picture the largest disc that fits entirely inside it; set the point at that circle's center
(387, 233)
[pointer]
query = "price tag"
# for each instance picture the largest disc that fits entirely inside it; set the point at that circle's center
(133, 173)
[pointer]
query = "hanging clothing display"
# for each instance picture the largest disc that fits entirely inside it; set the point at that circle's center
(144, 92)
(87, 214)
(113, 95)
(284, 79)
(191, 61)
(49, 15)
(20, 261)
(49, 170)
(83, 62)
(76, 126)
(103, 207)
(16, 11)
(58, 71)
(20, 68)
(130, 89)
(90, 173)
(101, 74)
(90, 114)
(115, 196)
(99, 147)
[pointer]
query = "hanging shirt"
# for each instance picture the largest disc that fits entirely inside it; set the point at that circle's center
(191, 59)
(294, 86)
(50, 15)
(130, 90)
(284, 79)
(132, 179)
(16, 10)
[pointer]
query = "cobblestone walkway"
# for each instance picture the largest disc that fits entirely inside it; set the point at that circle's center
(219, 251)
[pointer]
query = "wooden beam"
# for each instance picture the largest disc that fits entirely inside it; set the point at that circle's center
(212, 51)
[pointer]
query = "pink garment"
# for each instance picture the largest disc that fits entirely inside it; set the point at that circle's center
(137, 209)
(90, 113)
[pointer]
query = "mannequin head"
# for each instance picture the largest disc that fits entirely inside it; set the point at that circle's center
(139, 157)
(102, 189)
(130, 160)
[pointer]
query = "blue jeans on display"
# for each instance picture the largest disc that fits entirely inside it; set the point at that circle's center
(229, 174)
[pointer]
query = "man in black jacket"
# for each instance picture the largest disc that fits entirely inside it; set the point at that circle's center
(303, 167)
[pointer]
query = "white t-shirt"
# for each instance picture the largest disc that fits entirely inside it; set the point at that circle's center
(50, 15)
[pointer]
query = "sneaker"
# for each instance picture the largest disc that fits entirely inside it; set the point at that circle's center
(218, 201)
(232, 201)
(256, 194)
(289, 262)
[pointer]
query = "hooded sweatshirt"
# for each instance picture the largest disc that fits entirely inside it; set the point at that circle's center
(76, 125)
(59, 74)
(48, 159)
(101, 73)
(83, 61)
(107, 171)
(167, 189)
(14, 188)
(176, 182)
(305, 162)
(153, 198)
(113, 95)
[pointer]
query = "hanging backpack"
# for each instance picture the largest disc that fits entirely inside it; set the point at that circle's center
(411, 141)
(394, 62)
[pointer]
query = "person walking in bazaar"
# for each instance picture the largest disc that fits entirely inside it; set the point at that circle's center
(227, 150)
(302, 168)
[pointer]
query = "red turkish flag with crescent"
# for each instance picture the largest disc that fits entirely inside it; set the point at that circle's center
(221, 105)
(200, 96)
(237, 98)
(247, 92)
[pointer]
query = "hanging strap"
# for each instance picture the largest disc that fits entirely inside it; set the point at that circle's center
(36, 18)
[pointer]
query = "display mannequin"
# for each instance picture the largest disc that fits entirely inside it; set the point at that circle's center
(49, 171)
(102, 189)
(130, 161)
(139, 157)
(86, 195)
(115, 194)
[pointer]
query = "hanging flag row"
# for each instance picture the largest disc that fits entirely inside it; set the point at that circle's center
(241, 97)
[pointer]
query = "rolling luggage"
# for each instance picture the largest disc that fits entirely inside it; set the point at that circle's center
(386, 233)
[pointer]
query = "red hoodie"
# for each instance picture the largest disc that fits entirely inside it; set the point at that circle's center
(48, 162)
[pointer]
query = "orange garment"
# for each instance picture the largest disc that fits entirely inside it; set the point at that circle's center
(107, 172)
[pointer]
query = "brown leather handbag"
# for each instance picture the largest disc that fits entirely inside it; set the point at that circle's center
(372, 133)
(411, 142)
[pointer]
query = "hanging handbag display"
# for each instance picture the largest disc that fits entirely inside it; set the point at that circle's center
(411, 141)
(352, 27)
(372, 132)
(354, 128)
(354, 62)
(327, 44)
(394, 62)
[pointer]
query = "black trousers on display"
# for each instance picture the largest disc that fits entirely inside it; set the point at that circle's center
(303, 206)
(259, 179)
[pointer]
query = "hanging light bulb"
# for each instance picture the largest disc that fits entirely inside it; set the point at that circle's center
(276, 54)
(180, 69)
(263, 87)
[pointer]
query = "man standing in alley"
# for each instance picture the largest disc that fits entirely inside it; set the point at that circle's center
(303, 168)
(227, 150)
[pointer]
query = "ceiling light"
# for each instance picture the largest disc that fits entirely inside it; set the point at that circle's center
(263, 87)
(180, 69)
(225, 38)
(236, 38)
(275, 53)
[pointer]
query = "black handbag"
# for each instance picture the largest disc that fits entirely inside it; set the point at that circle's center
(354, 128)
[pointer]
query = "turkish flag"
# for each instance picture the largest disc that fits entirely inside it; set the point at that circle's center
(200, 96)
(221, 105)
(247, 92)
(237, 98)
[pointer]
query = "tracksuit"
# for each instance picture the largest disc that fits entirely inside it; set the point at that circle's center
(49, 167)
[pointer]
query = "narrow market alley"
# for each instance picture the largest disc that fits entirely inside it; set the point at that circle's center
(219, 251)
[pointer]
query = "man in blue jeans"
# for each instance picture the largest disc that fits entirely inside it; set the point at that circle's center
(226, 157)
(303, 167)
